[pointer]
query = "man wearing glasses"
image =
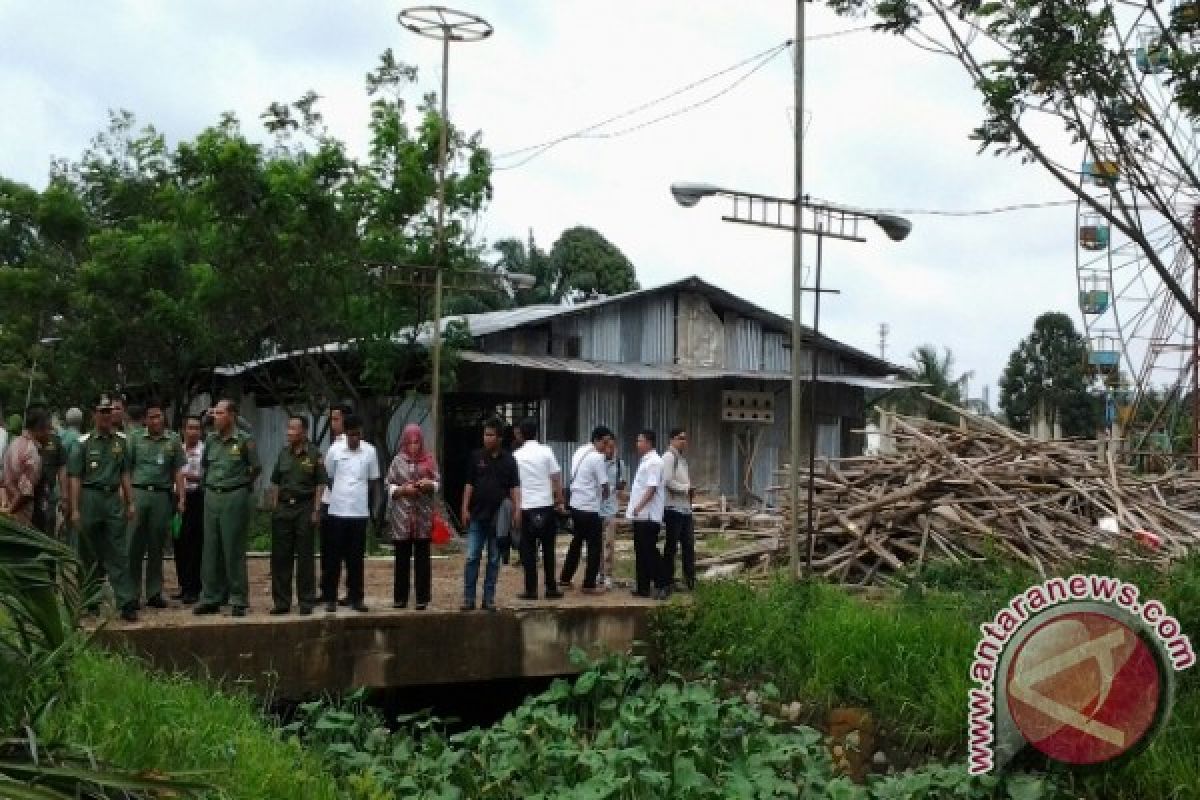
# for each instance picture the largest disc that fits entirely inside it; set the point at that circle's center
(677, 518)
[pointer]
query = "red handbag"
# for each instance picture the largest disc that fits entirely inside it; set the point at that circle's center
(440, 533)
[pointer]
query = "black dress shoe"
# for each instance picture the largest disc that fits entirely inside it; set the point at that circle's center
(554, 595)
(305, 610)
(239, 611)
(345, 601)
(489, 606)
(526, 596)
(178, 596)
(129, 614)
(331, 608)
(189, 599)
(399, 604)
(647, 595)
(422, 606)
(277, 610)
(156, 602)
(206, 608)
(361, 607)
(467, 607)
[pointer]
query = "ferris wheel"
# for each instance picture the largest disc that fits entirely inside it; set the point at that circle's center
(1142, 345)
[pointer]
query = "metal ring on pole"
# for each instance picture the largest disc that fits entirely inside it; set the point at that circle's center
(439, 22)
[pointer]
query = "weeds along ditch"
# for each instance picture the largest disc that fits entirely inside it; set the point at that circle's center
(905, 658)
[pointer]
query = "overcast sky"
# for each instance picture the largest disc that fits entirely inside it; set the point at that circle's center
(888, 129)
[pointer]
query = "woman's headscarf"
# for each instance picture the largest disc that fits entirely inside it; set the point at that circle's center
(412, 433)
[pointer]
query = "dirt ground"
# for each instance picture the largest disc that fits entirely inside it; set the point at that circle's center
(447, 590)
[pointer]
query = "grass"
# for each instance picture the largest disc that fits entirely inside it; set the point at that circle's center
(906, 659)
(130, 717)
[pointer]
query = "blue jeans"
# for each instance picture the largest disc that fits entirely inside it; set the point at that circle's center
(479, 532)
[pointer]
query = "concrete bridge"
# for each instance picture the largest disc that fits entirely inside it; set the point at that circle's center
(294, 656)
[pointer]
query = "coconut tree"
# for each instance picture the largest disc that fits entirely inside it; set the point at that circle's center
(936, 374)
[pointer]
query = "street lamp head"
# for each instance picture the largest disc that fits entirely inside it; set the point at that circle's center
(896, 228)
(521, 281)
(687, 194)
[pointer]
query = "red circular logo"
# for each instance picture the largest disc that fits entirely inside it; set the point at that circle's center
(1083, 688)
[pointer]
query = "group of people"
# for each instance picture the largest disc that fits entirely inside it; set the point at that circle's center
(122, 490)
(529, 484)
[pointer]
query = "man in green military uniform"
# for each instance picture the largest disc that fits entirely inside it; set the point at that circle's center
(156, 462)
(230, 468)
(296, 485)
(98, 466)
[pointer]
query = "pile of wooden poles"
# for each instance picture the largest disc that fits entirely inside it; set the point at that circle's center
(980, 490)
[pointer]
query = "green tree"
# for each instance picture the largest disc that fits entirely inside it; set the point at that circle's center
(1049, 365)
(582, 264)
(936, 374)
(1065, 60)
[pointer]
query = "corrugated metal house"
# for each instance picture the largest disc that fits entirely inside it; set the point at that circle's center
(658, 358)
(653, 358)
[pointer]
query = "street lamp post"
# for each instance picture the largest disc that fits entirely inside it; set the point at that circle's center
(447, 25)
(827, 220)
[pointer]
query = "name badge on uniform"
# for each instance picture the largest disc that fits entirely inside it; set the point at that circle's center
(235, 450)
(160, 460)
(94, 465)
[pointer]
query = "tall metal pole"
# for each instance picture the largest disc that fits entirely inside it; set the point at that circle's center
(797, 297)
(447, 25)
(812, 406)
(1195, 352)
(435, 391)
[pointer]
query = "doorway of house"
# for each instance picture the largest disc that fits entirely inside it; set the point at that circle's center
(464, 416)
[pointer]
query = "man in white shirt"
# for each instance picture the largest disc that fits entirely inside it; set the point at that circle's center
(589, 490)
(645, 510)
(541, 496)
(353, 471)
(337, 438)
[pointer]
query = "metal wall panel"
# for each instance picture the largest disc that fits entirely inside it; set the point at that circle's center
(658, 329)
(776, 357)
(743, 343)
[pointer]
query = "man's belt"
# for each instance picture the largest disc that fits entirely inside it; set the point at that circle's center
(293, 499)
(149, 487)
(227, 489)
(95, 487)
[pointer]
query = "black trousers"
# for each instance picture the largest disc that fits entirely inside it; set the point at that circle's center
(347, 542)
(589, 530)
(538, 527)
(189, 547)
(681, 535)
(325, 543)
(408, 552)
(649, 567)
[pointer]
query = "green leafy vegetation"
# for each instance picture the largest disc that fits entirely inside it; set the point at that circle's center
(615, 732)
(906, 658)
(125, 715)
(41, 595)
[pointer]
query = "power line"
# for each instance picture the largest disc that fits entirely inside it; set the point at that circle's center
(977, 212)
(758, 60)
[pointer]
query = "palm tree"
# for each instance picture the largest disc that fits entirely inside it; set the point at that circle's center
(936, 374)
